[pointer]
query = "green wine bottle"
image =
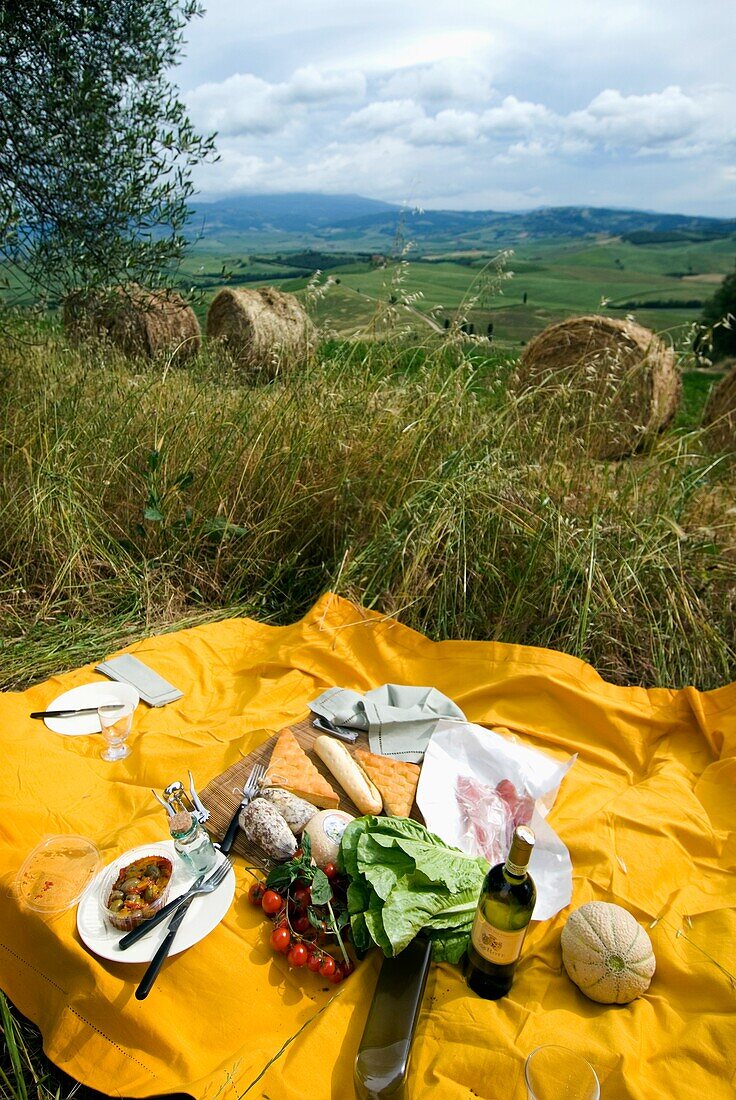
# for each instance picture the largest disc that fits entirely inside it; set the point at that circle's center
(505, 907)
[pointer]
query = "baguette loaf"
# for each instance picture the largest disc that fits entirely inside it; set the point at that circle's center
(349, 774)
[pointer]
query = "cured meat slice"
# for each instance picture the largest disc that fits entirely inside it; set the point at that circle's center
(485, 817)
(521, 806)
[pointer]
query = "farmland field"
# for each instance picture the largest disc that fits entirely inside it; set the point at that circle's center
(662, 285)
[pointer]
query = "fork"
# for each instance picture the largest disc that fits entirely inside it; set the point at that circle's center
(250, 788)
(218, 875)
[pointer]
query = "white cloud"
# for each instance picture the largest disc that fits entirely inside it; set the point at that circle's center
(451, 80)
(658, 118)
(534, 150)
(668, 123)
(246, 104)
(311, 85)
(449, 127)
(242, 104)
(420, 45)
(386, 116)
(516, 116)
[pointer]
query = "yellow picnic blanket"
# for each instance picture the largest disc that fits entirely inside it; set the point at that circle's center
(648, 813)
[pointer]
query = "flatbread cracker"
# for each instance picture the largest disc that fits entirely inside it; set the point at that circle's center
(291, 768)
(396, 780)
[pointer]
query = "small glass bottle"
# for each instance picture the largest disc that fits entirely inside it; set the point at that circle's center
(192, 843)
(504, 910)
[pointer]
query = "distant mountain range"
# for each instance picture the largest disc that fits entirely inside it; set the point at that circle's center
(352, 222)
(294, 212)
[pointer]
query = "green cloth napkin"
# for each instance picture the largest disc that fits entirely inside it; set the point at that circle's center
(399, 719)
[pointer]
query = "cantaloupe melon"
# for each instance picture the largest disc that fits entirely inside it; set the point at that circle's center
(607, 953)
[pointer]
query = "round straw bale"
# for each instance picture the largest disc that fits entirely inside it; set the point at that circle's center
(135, 320)
(611, 383)
(265, 330)
(719, 415)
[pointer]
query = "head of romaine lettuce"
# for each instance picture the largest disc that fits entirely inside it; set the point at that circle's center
(404, 880)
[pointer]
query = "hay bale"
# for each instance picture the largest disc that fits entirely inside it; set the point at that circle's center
(137, 321)
(719, 415)
(611, 383)
(265, 330)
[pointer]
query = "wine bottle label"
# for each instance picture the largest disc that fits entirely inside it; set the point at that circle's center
(495, 945)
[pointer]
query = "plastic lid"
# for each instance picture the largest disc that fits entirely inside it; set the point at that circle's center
(55, 874)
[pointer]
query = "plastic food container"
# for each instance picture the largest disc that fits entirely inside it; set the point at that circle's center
(56, 873)
(133, 891)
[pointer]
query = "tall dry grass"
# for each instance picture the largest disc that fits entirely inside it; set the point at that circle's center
(138, 498)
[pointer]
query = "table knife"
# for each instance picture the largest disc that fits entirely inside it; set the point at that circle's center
(162, 952)
(74, 713)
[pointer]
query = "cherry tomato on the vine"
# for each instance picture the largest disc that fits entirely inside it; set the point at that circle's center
(255, 893)
(298, 955)
(314, 962)
(336, 976)
(331, 871)
(301, 923)
(327, 966)
(271, 902)
(281, 939)
(347, 968)
(302, 896)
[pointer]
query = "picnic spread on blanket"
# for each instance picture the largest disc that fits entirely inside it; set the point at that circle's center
(527, 863)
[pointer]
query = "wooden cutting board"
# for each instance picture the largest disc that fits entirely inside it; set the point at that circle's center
(223, 794)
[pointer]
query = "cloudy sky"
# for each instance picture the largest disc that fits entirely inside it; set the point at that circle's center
(472, 104)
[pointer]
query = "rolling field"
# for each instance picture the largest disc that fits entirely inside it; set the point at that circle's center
(662, 285)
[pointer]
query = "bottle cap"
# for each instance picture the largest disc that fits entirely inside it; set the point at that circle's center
(180, 823)
(521, 850)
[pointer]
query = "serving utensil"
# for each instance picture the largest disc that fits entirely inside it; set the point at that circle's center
(218, 875)
(250, 788)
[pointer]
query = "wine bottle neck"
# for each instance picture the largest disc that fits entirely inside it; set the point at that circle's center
(518, 858)
(516, 870)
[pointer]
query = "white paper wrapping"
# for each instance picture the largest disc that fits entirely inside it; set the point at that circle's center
(460, 748)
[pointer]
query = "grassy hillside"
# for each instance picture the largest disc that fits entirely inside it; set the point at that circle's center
(136, 499)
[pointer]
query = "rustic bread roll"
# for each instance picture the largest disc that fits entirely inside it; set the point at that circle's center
(349, 774)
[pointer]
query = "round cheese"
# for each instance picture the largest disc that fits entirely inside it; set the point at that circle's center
(325, 831)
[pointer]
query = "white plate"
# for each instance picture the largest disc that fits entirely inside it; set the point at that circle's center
(88, 695)
(204, 914)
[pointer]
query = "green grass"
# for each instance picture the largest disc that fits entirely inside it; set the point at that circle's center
(24, 1071)
(135, 498)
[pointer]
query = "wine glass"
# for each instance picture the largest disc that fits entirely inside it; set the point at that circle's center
(116, 720)
(556, 1073)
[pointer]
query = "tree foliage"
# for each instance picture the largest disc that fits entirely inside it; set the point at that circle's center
(719, 317)
(96, 149)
